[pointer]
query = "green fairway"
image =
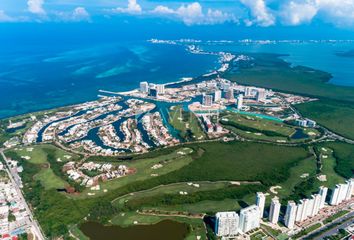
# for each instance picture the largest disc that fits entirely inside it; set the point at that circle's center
(176, 188)
(270, 71)
(38, 154)
(187, 123)
(42, 155)
(344, 155)
(336, 116)
(49, 180)
(258, 124)
(145, 170)
(328, 167)
(298, 173)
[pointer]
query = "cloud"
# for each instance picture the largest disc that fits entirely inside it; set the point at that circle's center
(294, 13)
(163, 10)
(337, 12)
(4, 17)
(193, 14)
(132, 8)
(259, 13)
(77, 15)
(36, 6)
(80, 14)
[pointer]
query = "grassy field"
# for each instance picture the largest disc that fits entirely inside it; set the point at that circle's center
(336, 116)
(240, 161)
(270, 71)
(187, 123)
(214, 161)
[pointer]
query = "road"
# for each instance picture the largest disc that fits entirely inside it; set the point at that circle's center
(346, 221)
(16, 182)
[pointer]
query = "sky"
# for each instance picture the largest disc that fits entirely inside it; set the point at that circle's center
(324, 18)
(264, 13)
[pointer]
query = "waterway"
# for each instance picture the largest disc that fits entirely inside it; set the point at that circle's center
(163, 230)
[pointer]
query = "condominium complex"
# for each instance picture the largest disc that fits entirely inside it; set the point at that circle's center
(230, 223)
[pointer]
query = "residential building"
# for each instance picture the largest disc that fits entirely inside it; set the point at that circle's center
(144, 87)
(217, 96)
(274, 210)
(261, 95)
(290, 215)
(207, 100)
(230, 94)
(316, 204)
(249, 218)
(299, 211)
(323, 192)
(153, 92)
(335, 194)
(350, 189)
(226, 224)
(239, 102)
(160, 89)
(260, 202)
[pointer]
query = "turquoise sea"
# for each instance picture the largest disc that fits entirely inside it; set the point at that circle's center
(37, 77)
(42, 76)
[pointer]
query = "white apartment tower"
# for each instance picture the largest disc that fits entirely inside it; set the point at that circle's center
(260, 202)
(217, 96)
(230, 94)
(290, 215)
(239, 102)
(299, 211)
(274, 210)
(316, 204)
(226, 224)
(350, 189)
(160, 89)
(323, 192)
(249, 218)
(207, 100)
(335, 193)
(144, 87)
(261, 95)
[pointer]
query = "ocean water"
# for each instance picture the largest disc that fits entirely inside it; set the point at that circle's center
(36, 77)
(318, 55)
